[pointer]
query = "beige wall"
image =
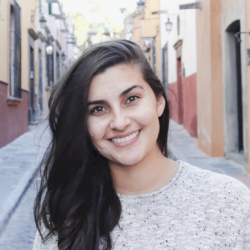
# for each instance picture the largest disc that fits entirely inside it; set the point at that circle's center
(26, 7)
(226, 3)
(217, 147)
(137, 31)
(151, 28)
(4, 41)
(209, 79)
(146, 26)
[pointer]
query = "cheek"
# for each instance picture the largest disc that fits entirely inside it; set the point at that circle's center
(148, 115)
(96, 130)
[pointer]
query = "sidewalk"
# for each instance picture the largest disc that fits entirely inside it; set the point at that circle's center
(19, 163)
(184, 147)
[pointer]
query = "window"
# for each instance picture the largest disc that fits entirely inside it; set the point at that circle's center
(50, 67)
(154, 56)
(40, 80)
(57, 66)
(15, 50)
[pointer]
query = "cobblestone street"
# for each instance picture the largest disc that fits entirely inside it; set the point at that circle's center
(20, 231)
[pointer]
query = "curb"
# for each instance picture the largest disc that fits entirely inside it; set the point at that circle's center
(40, 139)
(16, 196)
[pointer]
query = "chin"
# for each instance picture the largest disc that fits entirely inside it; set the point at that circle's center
(129, 160)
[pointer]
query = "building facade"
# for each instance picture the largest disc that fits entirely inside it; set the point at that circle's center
(143, 28)
(205, 62)
(33, 58)
(179, 66)
(223, 78)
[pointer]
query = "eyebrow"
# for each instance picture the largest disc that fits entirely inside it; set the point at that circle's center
(121, 95)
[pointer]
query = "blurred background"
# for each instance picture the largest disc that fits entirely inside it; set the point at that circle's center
(200, 50)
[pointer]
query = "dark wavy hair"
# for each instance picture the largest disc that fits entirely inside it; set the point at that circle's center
(76, 199)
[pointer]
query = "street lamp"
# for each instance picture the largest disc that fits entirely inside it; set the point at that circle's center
(49, 48)
(42, 22)
(168, 25)
(141, 5)
(42, 19)
(63, 56)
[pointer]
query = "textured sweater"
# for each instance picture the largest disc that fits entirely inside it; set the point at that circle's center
(197, 209)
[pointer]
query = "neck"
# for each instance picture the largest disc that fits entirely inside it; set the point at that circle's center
(146, 176)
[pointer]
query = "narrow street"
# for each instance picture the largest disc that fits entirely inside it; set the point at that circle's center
(20, 231)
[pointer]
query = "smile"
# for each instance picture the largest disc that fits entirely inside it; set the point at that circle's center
(125, 139)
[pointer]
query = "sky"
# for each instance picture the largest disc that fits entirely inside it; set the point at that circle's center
(112, 5)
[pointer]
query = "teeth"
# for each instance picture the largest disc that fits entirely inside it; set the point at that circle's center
(125, 139)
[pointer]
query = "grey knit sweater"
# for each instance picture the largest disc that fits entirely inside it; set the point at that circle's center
(198, 209)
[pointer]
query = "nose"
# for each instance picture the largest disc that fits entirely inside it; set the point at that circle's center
(119, 120)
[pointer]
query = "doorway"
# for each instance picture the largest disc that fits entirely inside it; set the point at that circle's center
(234, 134)
(40, 82)
(179, 91)
(32, 107)
(165, 67)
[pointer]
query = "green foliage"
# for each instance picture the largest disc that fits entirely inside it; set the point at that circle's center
(92, 26)
(80, 28)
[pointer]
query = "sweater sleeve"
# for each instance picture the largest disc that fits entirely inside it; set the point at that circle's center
(38, 242)
(50, 244)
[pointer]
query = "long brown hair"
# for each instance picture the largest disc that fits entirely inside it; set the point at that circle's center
(77, 199)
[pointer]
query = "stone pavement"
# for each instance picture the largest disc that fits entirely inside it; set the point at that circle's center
(182, 146)
(20, 231)
(19, 163)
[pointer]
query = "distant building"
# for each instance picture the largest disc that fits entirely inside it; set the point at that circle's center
(179, 66)
(33, 58)
(143, 28)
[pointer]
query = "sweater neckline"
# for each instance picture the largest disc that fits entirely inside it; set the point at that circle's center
(156, 192)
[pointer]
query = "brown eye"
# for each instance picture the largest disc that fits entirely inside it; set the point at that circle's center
(132, 99)
(97, 110)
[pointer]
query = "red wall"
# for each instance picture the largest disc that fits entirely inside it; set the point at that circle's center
(189, 108)
(173, 102)
(13, 119)
(189, 104)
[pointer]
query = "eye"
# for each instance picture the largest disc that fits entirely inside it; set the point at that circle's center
(97, 110)
(132, 99)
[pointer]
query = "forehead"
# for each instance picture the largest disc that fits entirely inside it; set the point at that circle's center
(115, 80)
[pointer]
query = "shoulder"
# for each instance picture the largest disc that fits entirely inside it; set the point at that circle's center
(216, 184)
(49, 244)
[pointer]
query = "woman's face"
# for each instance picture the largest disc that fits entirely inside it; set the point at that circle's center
(123, 115)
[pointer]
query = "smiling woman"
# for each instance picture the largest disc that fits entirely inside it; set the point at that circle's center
(107, 182)
(123, 121)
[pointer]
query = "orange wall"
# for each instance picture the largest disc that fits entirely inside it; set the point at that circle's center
(148, 26)
(226, 3)
(137, 31)
(209, 79)
(217, 147)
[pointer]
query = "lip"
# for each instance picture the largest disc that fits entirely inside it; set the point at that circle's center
(127, 143)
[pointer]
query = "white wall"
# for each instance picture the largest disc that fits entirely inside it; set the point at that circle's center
(187, 34)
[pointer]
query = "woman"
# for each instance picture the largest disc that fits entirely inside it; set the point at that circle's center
(107, 181)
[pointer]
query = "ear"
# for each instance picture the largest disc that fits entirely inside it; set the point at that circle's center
(160, 105)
